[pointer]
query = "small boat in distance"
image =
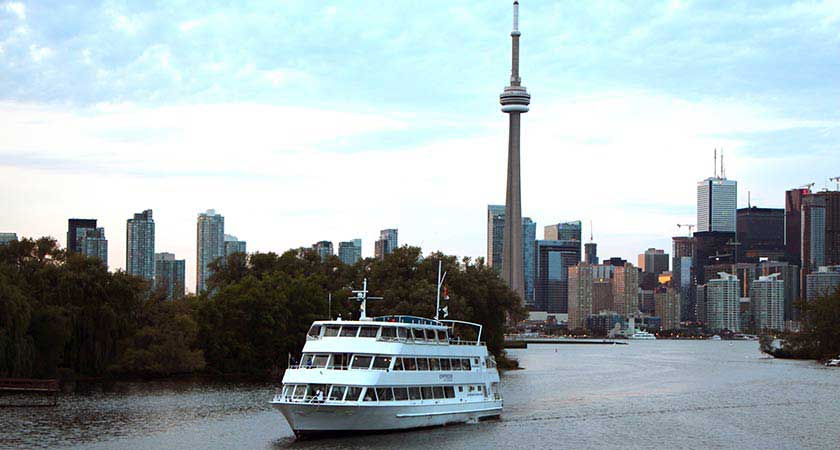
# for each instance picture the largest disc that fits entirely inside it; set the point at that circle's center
(388, 373)
(643, 335)
(715, 338)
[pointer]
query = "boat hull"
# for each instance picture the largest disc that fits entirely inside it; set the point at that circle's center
(307, 419)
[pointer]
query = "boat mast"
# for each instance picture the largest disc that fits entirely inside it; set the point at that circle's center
(440, 283)
(362, 297)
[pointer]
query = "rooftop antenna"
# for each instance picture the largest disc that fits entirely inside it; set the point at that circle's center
(722, 167)
(591, 233)
(439, 284)
(715, 163)
(362, 296)
(749, 203)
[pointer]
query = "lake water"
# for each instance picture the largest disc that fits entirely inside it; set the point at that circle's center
(662, 394)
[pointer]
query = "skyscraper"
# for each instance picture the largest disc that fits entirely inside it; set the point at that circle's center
(140, 245)
(210, 245)
(234, 245)
(717, 200)
(350, 252)
(654, 261)
(495, 236)
(822, 282)
(76, 230)
(580, 295)
(668, 308)
(723, 308)
(551, 278)
(170, 275)
(387, 243)
(793, 223)
(813, 233)
(5, 238)
(94, 244)
(767, 300)
(832, 226)
(514, 100)
(324, 249)
(564, 231)
(761, 232)
(789, 273)
(590, 250)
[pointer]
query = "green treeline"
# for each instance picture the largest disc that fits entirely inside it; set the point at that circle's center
(819, 337)
(66, 316)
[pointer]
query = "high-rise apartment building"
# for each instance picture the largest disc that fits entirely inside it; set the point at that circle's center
(529, 236)
(789, 273)
(76, 231)
(387, 243)
(5, 238)
(170, 275)
(140, 245)
(825, 281)
(761, 232)
(94, 244)
(580, 295)
(723, 306)
(564, 231)
(495, 236)
(717, 200)
(813, 232)
(551, 283)
(495, 248)
(767, 302)
(668, 308)
(350, 252)
(602, 294)
(210, 245)
(324, 249)
(832, 226)
(625, 290)
(234, 245)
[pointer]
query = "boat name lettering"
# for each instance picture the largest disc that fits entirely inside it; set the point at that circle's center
(445, 376)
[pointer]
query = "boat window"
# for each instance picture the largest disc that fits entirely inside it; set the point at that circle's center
(476, 362)
(382, 362)
(430, 335)
(370, 395)
(417, 334)
(456, 364)
(444, 364)
(332, 330)
(409, 364)
(400, 393)
(414, 393)
(349, 331)
(300, 391)
(434, 364)
(307, 360)
(472, 388)
(339, 361)
(465, 364)
(441, 336)
(460, 388)
(337, 393)
(438, 390)
(398, 364)
(479, 388)
(353, 394)
(315, 331)
(361, 362)
(401, 333)
(449, 391)
(422, 364)
(384, 394)
(320, 360)
(287, 390)
(388, 333)
(427, 393)
(368, 332)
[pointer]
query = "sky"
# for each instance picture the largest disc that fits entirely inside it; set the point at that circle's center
(302, 121)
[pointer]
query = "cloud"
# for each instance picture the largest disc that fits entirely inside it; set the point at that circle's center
(39, 54)
(16, 8)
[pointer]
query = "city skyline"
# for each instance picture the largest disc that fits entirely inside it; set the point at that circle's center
(777, 133)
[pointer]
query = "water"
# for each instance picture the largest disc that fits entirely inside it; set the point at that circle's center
(662, 394)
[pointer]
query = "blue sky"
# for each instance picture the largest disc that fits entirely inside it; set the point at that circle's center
(301, 121)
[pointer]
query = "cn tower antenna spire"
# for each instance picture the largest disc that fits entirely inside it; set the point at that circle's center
(515, 100)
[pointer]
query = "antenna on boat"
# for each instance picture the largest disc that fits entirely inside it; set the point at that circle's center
(361, 296)
(440, 283)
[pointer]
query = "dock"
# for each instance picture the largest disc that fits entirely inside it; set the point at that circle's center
(20, 388)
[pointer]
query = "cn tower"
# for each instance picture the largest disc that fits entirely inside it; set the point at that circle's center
(514, 100)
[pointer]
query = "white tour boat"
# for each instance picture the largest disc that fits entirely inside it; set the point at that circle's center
(643, 335)
(388, 373)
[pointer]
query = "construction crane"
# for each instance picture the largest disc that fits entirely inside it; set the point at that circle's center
(836, 180)
(807, 186)
(690, 227)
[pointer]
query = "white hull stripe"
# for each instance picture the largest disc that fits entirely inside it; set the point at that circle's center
(443, 413)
